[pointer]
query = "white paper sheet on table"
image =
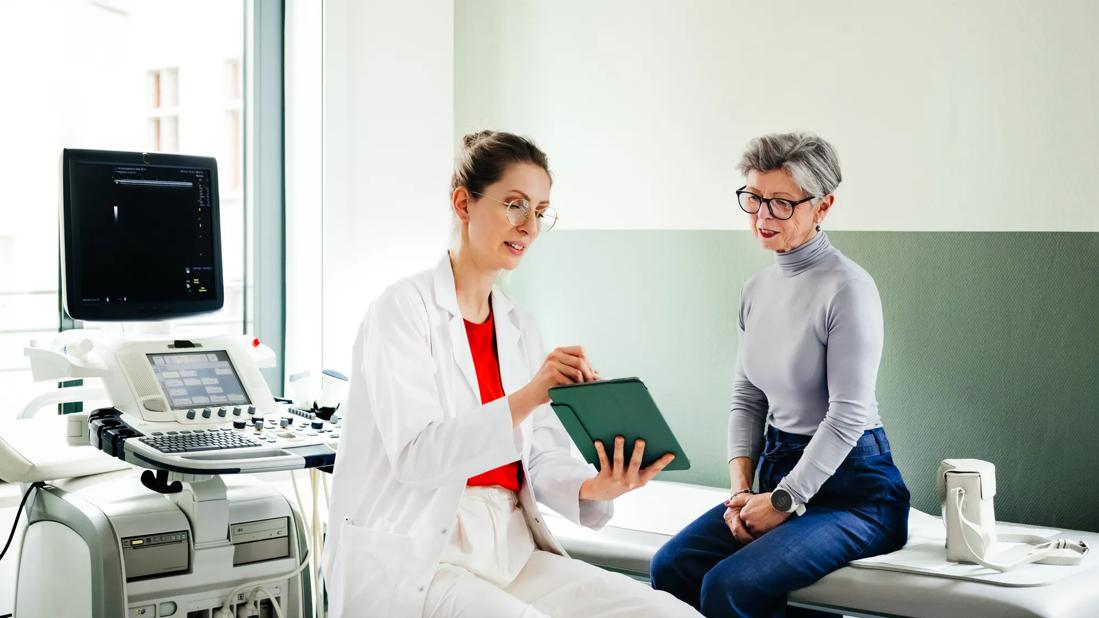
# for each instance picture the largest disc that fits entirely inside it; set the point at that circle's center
(925, 554)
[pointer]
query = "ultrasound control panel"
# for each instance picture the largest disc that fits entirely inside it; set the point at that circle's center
(247, 431)
(247, 442)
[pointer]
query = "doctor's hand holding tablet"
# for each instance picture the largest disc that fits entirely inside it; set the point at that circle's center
(596, 412)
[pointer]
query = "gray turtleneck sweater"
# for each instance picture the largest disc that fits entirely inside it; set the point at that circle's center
(810, 332)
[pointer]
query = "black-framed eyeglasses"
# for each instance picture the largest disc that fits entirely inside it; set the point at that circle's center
(519, 212)
(780, 208)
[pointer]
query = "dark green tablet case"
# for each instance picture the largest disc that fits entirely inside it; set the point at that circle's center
(608, 408)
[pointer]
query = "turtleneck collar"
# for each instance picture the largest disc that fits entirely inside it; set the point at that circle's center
(804, 257)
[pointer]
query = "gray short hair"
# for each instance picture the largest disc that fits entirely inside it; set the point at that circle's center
(811, 161)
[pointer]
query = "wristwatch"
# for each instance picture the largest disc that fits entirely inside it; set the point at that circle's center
(783, 502)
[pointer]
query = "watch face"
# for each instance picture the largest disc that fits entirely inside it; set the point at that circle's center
(781, 500)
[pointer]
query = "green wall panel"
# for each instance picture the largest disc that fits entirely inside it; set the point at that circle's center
(991, 346)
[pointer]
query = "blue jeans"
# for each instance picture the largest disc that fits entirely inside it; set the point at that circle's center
(861, 511)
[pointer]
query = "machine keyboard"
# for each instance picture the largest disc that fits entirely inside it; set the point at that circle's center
(189, 441)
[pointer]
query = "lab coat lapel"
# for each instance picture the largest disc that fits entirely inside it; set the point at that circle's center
(513, 370)
(446, 297)
(463, 357)
(514, 367)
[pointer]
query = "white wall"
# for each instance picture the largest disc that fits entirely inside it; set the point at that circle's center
(388, 152)
(966, 116)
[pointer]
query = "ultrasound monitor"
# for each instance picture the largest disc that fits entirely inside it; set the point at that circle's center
(140, 235)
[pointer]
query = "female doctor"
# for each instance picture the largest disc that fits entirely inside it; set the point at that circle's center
(448, 442)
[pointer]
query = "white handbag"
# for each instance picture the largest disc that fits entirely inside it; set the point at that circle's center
(966, 488)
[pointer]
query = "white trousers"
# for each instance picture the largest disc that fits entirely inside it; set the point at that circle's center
(492, 569)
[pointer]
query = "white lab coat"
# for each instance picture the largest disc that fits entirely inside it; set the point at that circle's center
(415, 431)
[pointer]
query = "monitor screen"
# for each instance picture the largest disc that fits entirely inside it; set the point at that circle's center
(198, 379)
(141, 235)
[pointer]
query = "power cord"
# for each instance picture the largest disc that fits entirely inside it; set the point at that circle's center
(15, 524)
(314, 528)
(251, 607)
(227, 609)
(317, 540)
(275, 602)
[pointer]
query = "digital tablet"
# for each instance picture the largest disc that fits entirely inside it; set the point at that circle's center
(608, 408)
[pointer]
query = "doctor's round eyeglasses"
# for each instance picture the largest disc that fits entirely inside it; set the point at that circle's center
(519, 212)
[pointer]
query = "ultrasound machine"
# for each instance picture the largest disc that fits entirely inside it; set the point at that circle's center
(155, 513)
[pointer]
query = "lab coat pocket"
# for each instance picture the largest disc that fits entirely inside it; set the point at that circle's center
(373, 567)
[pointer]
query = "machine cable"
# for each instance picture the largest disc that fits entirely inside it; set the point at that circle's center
(15, 524)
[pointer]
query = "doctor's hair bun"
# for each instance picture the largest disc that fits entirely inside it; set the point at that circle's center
(471, 139)
(486, 155)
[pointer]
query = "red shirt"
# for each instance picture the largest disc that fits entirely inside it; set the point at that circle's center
(482, 343)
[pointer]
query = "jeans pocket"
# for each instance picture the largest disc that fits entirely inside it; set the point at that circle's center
(764, 474)
(771, 471)
(770, 449)
(858, 480)
(778, 451)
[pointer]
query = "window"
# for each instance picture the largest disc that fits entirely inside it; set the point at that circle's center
(233, 176)
(164, 111)
(164, 76)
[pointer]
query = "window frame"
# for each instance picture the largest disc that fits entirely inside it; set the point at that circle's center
(264, 180)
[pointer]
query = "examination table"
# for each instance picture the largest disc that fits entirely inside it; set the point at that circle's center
(645, 519)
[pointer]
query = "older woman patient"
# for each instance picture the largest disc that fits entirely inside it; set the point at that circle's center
(804, 417)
